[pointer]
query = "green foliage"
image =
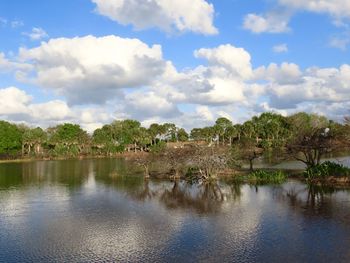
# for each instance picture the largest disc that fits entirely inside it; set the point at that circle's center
(10, 138)
(62, 150)
(245, 150)
(182, 135)
(325, 170)
(68, 133)
(36, 135)
(264, 177)
(158, 147)
(191, 175)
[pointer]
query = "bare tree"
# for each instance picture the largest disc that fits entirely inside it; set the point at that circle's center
(209, 161)
(177, 159)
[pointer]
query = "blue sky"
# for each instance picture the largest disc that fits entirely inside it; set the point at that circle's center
(195, 60)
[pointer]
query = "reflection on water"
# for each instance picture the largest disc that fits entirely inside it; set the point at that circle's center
(100, 210)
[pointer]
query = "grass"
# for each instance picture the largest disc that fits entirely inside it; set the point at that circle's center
(263, 177)
(326, 169)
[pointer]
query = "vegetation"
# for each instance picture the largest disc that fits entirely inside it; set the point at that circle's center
(263, 177)
(10, 139)
(209, 150)
(326, 169)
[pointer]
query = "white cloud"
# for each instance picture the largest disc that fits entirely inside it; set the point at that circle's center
(336, 8)
(132, 80)
(318, 85)
(91, 69)
(281, 48)
(267, 23)
(16, 105)
(168, 15)
(37, 33)
(7, 65)
(13, 101)
(235, 60)
(277, 21)
(145, 104)
(286, 73)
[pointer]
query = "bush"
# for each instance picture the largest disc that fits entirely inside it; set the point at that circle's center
(158, 147)
(263, 177)
(326, 169)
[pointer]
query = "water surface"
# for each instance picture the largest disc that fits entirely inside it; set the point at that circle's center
(102, 210)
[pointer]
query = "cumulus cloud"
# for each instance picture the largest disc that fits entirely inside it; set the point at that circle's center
(168, 15)
(235, 60)
(13, 101)
(286, 73)
(18, 106)
(92, 69)
(148, 104)
(277, 21)
(7, 65)
(318, 85)
(37, 33)
(267, 23)
(336, 8)
(132, 80)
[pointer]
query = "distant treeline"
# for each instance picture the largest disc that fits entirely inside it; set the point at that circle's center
(267, 131)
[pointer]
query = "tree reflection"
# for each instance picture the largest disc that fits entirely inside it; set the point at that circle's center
(203, 198)
(315, 201)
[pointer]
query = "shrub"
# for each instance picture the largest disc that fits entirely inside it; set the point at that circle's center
(326, 169)
(261, 176)
(158, 147)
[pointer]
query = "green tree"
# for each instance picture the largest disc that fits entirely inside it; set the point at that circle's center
(10, 138)
(312, 137)
(34, 139)
(68, 139)
(182, 135)
(221, 126)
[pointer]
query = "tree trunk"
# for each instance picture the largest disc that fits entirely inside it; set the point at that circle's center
(146, 171)
(251, 165)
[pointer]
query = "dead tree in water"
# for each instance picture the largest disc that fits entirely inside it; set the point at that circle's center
(177, 159)
(209, 161)
(145, 160)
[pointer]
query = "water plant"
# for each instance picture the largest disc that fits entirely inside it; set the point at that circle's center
(325, 170)
(264, 177)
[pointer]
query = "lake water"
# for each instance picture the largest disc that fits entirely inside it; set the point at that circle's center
(100, 210)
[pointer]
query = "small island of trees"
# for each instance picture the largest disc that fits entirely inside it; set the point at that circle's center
(206, 151)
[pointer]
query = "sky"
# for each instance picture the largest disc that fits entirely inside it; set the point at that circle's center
(187, 62)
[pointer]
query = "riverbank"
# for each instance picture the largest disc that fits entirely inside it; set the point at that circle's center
(237, 175)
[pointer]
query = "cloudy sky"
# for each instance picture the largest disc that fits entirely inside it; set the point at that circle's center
(187, 62)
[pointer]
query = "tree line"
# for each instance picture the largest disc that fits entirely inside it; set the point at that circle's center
(306, 137)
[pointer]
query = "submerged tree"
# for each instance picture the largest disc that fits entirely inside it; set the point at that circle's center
(245, 150)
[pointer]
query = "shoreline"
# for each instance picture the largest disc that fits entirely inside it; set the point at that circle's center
(296, 174)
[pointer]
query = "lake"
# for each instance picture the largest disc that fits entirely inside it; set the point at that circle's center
(103, 210)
